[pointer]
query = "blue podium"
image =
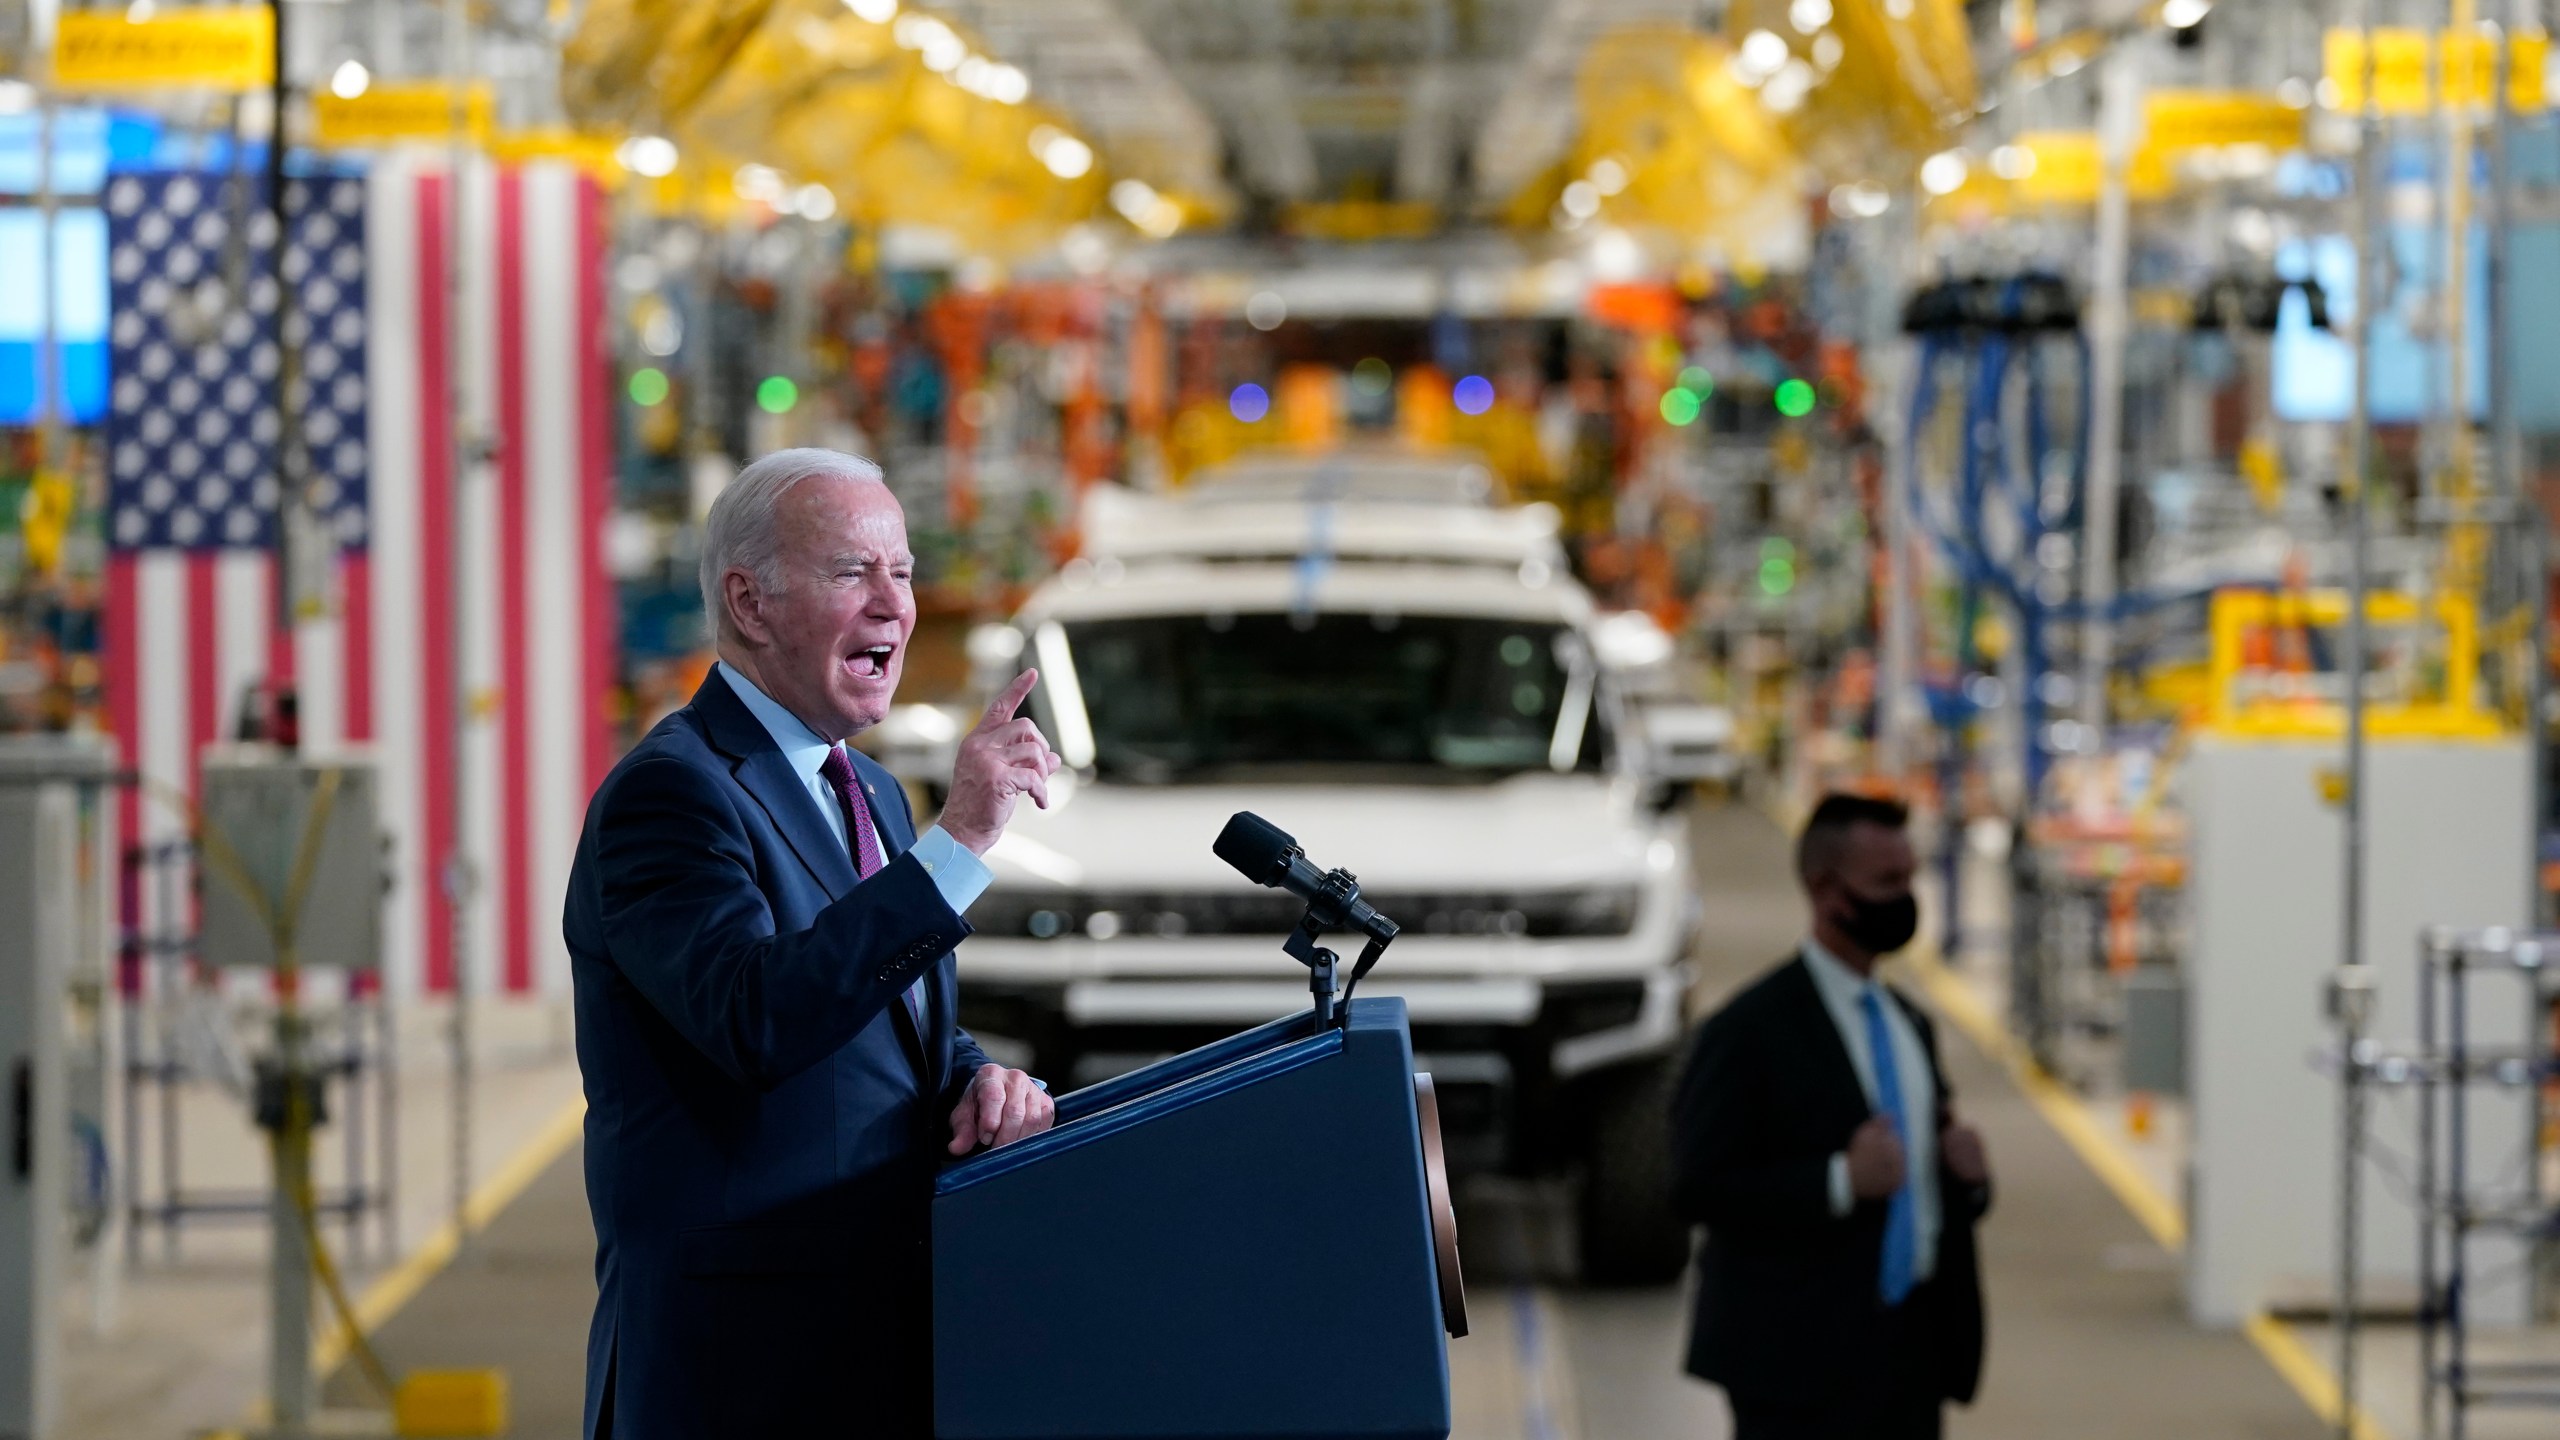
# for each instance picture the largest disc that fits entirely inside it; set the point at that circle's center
(1252, 1239)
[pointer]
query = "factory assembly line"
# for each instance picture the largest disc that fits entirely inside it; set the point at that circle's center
(1770, 719)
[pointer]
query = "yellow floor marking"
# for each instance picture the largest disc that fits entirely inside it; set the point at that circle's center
(2069, 1116)
(2303, 1371)
(401, 1283)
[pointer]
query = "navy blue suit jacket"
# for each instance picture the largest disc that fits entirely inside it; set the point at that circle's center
(763, 1117)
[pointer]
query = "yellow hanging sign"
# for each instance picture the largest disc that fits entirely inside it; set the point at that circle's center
(2066, 168)
(2413, 71)
(211, 48)
(2189, 119)
(386, 114)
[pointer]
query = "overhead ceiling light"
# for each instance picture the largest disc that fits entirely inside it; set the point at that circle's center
(1581, 200)
(991, 80)
(1132, 197)
(760, 182)
(2013, 162)
(1615, 256)
(1139, 203)
(814, 202)
(936, 44)
(1067, 157)
(1828, 51)
(1786, 90)
(1763, 51)
(2184, 14)
(350, 80)
(1608, 175)
(1859, 200)
(878, 12)
(1944, 172)
(1809, 15)
(1087, 251)
(653, 156)
(1266, 310)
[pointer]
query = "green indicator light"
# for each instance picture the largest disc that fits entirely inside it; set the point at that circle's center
(1795, 399)
(777, 394)
(648, 385)
(1679, 406)
(1698, 382)
(1777, 576)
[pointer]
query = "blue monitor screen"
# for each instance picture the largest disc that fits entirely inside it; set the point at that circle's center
(78, 289)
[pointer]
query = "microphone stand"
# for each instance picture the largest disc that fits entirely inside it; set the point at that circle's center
(1327, 911)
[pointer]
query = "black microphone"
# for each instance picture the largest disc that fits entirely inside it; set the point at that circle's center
(1269, 855)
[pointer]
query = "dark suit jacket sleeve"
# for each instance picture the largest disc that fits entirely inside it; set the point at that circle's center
(1719, 1175)
(966, 1057)
(684, 921)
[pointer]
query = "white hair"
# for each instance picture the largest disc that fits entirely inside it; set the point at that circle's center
(741, 533)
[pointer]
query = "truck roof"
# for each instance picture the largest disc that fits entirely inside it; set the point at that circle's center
(1194, 585)
(1241, 520)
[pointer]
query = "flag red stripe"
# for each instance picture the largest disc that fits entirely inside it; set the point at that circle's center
(280, 666)
(438, 702)
(356, 631)
(204, 651)
(515, 736)
(595, 478)
(123, 622)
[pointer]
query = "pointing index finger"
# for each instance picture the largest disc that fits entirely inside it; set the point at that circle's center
(1000, 711)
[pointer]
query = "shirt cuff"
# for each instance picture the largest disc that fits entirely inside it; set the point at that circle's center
(1842, 1199)
(961, 876)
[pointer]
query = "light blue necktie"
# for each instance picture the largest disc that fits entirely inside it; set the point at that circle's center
(1901, 1220)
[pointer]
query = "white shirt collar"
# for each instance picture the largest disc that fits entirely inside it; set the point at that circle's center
(805, 748)
(1839, 984)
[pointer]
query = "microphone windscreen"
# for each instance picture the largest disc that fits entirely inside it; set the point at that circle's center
(1255, 846)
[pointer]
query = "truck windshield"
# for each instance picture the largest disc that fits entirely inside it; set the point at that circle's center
(1192, 697)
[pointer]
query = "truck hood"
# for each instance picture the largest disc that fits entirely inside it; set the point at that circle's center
(1530, 832)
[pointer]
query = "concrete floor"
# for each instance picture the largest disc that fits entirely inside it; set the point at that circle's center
(2087, 1337)
(180, 1343)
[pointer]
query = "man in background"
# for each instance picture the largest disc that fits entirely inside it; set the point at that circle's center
(1813, 1133)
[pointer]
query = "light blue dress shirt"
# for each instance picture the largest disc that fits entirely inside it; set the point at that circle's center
(961, 876)
(1840, 988)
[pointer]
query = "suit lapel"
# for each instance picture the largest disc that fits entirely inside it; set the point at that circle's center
(763, 772)
(1825, 1051)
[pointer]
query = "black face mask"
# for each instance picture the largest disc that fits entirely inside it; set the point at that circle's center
(1881, 926)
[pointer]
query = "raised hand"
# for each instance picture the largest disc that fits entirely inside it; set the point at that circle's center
(1003, 759)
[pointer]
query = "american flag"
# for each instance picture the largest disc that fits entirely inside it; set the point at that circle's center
(192, 434)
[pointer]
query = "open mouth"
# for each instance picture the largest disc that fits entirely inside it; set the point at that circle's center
(873, 662)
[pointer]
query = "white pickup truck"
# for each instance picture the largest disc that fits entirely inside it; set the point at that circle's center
(1404, 676)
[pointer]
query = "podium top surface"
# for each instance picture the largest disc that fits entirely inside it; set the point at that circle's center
(1114, 1105)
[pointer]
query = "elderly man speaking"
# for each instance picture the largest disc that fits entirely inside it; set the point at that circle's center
(761, 945)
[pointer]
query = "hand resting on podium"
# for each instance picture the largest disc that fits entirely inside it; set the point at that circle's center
(999, 1107)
